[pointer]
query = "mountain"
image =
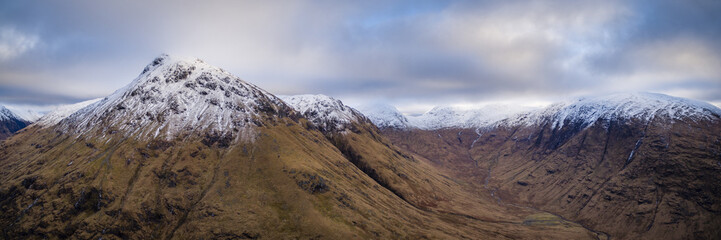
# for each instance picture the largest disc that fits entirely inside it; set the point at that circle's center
(639, 105)
(10, 123)
(632, 165)
(416, 181)
(189, 151)
(385, 116)
(325, 112)
(25, 114)
(457, 117)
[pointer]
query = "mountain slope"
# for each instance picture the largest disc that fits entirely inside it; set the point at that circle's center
(413, 179)
(631, 165)
(10, 123)
(62, 112)
(188, 151)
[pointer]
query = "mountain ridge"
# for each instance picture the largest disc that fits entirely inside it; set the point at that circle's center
(135, 165)
(586, 110)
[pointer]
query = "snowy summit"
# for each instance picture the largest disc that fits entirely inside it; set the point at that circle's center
(6, 114)
(174, 95)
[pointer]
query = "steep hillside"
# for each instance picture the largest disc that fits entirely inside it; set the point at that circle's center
(631, 165)
(188, 151)
(413, 179)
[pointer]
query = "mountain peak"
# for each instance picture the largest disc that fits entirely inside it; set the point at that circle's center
(6, 114)
(173, 95)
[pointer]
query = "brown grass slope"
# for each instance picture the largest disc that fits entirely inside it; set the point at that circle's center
(667, 189)
(289, 182)
(415, 180)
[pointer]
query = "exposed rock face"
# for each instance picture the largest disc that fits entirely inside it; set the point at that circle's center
(635, 176)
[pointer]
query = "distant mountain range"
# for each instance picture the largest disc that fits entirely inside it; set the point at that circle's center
(189, 151)
(639, 105)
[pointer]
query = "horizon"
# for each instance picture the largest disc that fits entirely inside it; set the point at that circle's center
(410, 55)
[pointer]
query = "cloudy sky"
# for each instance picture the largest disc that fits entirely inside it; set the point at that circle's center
(411, 54)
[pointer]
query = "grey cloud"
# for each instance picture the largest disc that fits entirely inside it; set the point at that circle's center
(423, 52)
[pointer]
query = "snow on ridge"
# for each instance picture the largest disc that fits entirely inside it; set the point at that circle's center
(636, 105)
(61, 112)
(323, 111)
(174, 95)
(586, 111)
(6, 114)
(15, 113)
(458, 117)
(24, 114)
(384, 116)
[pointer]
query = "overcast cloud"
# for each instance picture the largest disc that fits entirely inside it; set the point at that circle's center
(411, 54)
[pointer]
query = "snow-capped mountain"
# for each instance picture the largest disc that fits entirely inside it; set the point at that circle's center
(325, 112)
(62, 112)
(639, 106)
(174, 95)
(384, 116)
(6, 114)
(457, 117)
(585, 111)
(10, 122)
(26, 114)
(155, 159)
